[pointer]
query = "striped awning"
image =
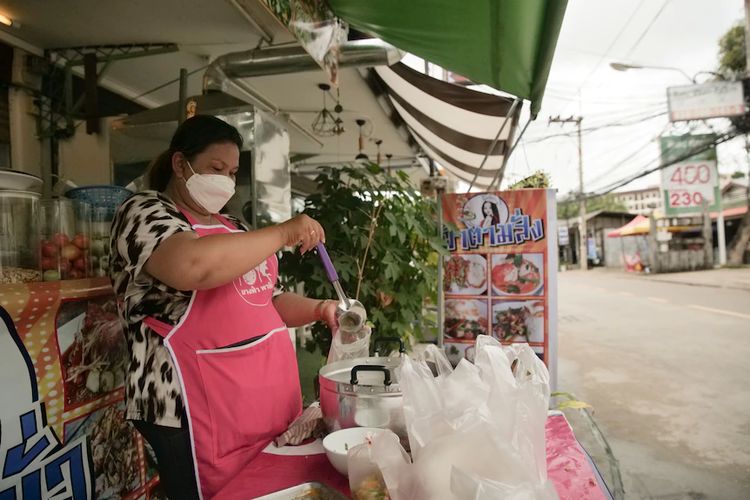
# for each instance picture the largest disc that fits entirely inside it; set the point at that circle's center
(453, 125)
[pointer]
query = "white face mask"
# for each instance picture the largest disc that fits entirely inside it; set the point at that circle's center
(211, 191)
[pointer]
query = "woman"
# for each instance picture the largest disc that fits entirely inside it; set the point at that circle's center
(490, 214)
(213, 376)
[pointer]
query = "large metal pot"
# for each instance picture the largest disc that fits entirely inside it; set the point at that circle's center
(363, 392)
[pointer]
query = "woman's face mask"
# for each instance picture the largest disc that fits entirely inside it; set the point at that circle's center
(211, 191)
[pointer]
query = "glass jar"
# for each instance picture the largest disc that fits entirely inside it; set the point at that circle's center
(19, 237)
(65, 239)
(100, 230)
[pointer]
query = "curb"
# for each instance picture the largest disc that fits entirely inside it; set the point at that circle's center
(707, 285)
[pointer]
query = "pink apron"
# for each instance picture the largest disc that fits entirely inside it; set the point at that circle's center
(238, 395)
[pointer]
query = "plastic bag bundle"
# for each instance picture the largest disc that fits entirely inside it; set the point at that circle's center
(366, 480)
(476, 432)
(350, 345)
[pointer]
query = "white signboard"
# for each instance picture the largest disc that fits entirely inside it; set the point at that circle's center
(563, 238)
(689, 184)
(707, 100)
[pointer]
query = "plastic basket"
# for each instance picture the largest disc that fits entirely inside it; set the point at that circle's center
(106, 197)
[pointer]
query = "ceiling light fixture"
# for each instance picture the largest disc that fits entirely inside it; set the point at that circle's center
(324, 124)
(6, 20)
(361, 157)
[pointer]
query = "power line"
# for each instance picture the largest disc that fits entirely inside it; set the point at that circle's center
(648, 28)
(589, 130)
(611, 45)
(720, 140)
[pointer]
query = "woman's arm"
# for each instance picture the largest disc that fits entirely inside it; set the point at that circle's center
(297, 310)
(186, 262)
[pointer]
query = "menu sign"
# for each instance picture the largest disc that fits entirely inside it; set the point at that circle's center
(62, 367)
(501, 276)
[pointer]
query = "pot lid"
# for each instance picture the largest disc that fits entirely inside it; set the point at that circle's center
(371, 372)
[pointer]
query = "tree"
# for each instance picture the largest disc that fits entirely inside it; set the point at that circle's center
(570, 208)
(739, 174)
(382, 237)
(732, 61)
(732, 52)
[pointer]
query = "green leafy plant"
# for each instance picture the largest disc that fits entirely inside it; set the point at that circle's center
(383, 239)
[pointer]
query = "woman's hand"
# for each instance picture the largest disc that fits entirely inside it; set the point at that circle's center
(328, 314)
(303, 231)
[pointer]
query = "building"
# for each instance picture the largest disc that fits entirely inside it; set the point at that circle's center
(640, 201)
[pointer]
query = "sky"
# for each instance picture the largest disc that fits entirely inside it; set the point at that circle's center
(682, 34)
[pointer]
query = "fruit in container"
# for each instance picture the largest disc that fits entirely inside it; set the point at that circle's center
(70, 252)
(81, 263)
(51, 275)
(50, 249)
(81, 241)
(61, 239)
(98, 247)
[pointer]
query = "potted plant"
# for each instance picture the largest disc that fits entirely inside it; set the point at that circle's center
(383, 239)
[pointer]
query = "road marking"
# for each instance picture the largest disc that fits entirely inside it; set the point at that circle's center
(658, 299)
(721, 311)
(626, 294)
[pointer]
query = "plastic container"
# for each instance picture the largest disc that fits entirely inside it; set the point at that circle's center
(104, 197)
(100, 231)
(65, 239)
(19, 237)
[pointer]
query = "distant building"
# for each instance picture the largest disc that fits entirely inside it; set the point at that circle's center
(640, 201)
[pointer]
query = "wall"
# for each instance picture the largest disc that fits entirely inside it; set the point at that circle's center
(27, 152)
(84, 158)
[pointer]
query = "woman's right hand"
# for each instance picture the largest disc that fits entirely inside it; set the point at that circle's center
(304, 231)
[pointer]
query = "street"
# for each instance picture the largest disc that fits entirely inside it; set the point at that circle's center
(665, 367)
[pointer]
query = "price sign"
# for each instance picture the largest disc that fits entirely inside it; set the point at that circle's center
(689, 183)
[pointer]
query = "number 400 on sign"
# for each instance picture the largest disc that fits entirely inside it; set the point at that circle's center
(690, 184)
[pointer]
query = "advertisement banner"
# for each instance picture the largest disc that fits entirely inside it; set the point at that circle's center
(693, 180)
(501, 276)
(62, 368)
(706, 100)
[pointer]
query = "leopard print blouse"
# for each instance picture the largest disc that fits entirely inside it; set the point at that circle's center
(152, 390)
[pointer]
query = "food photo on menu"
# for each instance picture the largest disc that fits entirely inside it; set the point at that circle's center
(465, 320)
(518, 274)
(518, 321)
(465, 274)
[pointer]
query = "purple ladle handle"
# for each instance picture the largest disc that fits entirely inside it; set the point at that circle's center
(326, 259)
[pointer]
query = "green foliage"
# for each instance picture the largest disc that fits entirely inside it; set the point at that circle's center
(569, 209)
(538, 179)
(738, 174)
(383, 239)
(732, 51)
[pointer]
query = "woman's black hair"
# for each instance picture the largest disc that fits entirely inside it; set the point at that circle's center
(191, 138)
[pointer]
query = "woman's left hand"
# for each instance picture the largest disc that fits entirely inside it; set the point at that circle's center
(328, 314)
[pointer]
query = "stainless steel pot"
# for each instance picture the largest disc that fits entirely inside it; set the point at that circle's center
(363, 392)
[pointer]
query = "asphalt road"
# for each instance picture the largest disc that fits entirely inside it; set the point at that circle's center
(667, 369)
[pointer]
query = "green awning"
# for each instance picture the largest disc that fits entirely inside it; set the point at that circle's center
(506, 44)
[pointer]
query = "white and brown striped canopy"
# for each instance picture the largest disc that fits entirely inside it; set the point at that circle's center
(453, 125)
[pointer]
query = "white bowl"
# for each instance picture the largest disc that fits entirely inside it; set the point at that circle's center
(16, 180)
(338, 443)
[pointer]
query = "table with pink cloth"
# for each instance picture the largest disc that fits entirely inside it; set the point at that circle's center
(568, 466)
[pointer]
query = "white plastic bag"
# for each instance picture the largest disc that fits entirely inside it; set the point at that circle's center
(395, 466)
(357, 349)
(365, 478)
(478, 431)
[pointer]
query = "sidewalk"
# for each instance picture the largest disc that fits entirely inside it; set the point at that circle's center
(738, 279)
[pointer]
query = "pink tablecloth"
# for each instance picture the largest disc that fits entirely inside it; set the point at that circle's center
(568, 467)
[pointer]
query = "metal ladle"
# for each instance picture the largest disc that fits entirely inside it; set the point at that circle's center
(350, 313)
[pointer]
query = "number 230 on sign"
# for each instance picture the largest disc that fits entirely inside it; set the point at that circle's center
(685, 199)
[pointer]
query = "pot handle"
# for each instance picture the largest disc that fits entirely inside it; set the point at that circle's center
(371, 368)
(389, 340)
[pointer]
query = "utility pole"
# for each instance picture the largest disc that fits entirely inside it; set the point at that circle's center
(582, 230)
